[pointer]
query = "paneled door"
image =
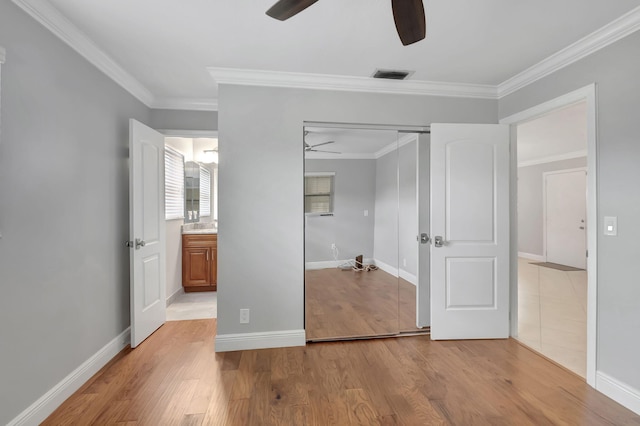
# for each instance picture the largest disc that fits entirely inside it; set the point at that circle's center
(147, 228)
(470, 231)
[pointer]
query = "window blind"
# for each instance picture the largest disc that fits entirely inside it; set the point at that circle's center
(205, 192)
(318, 193)
(173, 184)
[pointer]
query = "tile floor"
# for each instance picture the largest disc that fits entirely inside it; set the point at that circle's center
(552, 313)
(190, 306)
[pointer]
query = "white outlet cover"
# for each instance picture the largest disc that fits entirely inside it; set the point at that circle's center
(611, 226)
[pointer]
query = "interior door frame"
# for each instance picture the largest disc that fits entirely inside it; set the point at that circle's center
(544, 202)
(588, 94)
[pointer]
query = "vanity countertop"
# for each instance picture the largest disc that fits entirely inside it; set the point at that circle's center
(199, 228)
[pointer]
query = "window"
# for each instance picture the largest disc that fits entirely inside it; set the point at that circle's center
(205, 192)
(318, 193)
(173, 184)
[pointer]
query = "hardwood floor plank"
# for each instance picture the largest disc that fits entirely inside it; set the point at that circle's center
(176, 378)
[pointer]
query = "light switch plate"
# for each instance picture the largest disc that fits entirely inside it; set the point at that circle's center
(611, 225)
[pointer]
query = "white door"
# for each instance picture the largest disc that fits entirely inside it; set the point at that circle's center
(146, 225)
(424, 248)
(565, 217)
(470, 231)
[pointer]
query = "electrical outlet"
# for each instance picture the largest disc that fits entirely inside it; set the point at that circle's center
(244, 316)
(333, 246)
(404, 262)
(366, 213)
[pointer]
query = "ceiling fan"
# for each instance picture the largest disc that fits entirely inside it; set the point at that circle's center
(311, 148)
(408, 15)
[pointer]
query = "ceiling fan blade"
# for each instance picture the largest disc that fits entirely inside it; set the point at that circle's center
(285, 9)
(410, 20)
(323, 143)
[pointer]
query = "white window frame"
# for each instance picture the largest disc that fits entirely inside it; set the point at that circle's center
(332, 192)
(172, 212)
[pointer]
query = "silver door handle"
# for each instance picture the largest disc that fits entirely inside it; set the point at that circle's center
(424, 238)
(438, 241)
(140, 243)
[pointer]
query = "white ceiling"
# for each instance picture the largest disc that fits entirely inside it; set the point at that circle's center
(350, 143)
(560, 134)
(167, 45)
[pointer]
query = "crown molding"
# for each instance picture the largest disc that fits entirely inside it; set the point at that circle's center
(190, 104)
(552, 158)
(47, 15)
(349, 83)
(395, 145)
(3, 55)
(606, 35)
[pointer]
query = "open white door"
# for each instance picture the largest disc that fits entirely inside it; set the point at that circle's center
(146, 224)
(470, 231)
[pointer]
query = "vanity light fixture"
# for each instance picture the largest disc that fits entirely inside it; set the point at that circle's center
(210, 156)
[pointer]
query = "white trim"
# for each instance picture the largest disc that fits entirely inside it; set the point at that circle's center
(174, 296)
(531, 256)
(618, 391)
(329, 264)
(319, 174)
(262, 340)
(3, 55)
(552, 158)
(189, 133)
(386, 267)
(246, 77)
(187, 104)
(602, 37)
(47, 403)
(47, 15)
(587, 93)
(411, 137)
(408, 277)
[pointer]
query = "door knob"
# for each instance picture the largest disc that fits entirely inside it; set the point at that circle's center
(140, 243)
(424, 238)
(438, 241)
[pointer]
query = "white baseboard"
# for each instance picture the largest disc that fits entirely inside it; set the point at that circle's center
(309, 266)
(47, 403)
(174, 296)
(386, 267)
(618, 391)
(409, 277)
(531, 256)
(269, 339)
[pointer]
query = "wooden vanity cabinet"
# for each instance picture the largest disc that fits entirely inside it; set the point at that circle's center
(199, 262)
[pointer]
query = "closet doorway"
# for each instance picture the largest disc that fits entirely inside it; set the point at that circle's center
(363, 255)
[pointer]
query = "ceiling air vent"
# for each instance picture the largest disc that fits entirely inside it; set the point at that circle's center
(392, 74)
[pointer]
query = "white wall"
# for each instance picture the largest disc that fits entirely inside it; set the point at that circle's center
(615, 71)
(530, 203)
(261, 187)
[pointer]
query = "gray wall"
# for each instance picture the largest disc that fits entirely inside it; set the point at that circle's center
(615, 69)
(385, 242)
(261, 187)
(64, 212)
(408, 208)
(530, 202)
(165, 119)
(348, 228)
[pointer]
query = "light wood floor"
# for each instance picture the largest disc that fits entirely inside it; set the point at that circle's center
(349, 303)
(176, 378)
